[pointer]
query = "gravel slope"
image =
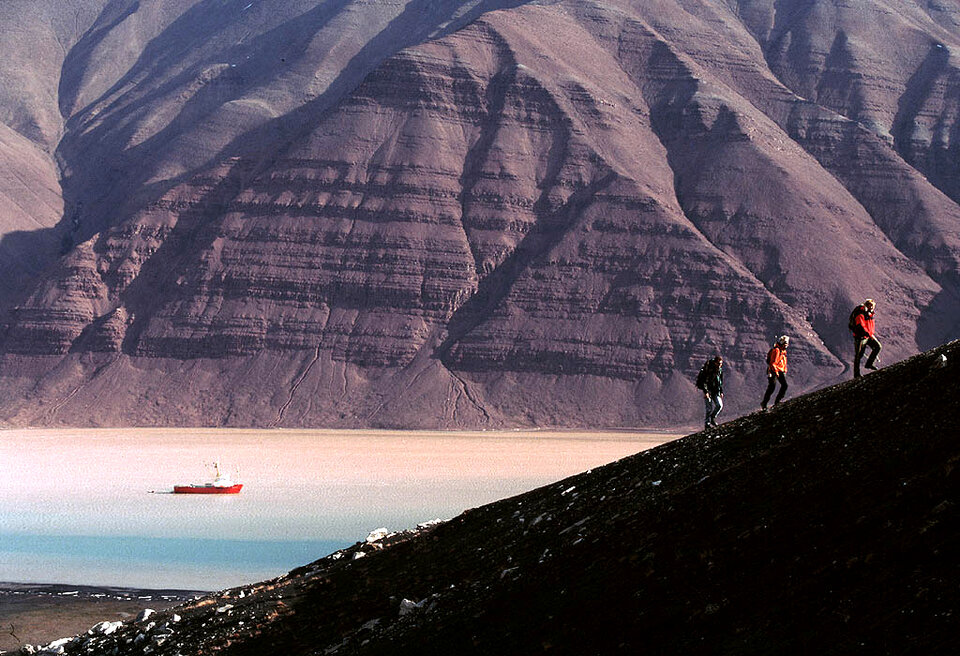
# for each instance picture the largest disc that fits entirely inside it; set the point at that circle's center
(826, 525)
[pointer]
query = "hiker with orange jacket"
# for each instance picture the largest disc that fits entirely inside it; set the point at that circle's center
(776, 370)
(862, 326)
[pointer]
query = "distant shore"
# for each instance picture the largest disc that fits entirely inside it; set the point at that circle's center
(39, 613)
(307, 494)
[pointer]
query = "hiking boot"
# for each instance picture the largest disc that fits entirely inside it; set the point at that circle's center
(713, 424)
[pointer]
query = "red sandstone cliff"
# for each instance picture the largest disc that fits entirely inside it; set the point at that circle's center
(445, 214)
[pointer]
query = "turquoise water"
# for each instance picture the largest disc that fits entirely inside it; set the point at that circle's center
(92, 507)
(249, 553)
(190, 563)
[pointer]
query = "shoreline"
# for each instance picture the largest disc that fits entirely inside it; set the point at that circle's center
(304, 487)
(610, 432)
(39, 613)
(121, 592)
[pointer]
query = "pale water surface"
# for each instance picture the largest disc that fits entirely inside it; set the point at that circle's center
(93, 506)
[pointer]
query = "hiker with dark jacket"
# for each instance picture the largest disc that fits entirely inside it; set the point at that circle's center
(710, 380)
(862, 326)
(776, 371)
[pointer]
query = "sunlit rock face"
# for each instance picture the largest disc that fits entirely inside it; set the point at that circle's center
(484, 214)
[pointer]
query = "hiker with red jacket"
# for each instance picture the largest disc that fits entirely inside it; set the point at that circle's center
(862, 327)
(776, 370)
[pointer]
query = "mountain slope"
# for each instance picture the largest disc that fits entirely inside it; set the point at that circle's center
(30, 206)
(826, 525)
(485, 213)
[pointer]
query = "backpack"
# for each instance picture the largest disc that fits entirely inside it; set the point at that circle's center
(702, 376)
(852, 323)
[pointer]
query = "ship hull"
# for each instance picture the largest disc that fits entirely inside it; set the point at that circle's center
(207, 489)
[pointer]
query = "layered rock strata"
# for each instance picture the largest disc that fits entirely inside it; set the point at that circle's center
(552, 215)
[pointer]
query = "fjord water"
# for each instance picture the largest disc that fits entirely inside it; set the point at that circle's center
(94, 506)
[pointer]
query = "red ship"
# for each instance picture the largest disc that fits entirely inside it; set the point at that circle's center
(221, 484)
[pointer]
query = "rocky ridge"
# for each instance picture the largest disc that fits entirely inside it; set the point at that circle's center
(827, 524)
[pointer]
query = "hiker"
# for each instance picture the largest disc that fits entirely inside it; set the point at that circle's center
(861, 325)
(710, 380)
(776, 370)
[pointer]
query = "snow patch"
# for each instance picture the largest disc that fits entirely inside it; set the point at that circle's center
(428, 524)
(56, 647)
(104, 628)
(377, 534)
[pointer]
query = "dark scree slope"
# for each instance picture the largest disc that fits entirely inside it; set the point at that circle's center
(827, 525)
